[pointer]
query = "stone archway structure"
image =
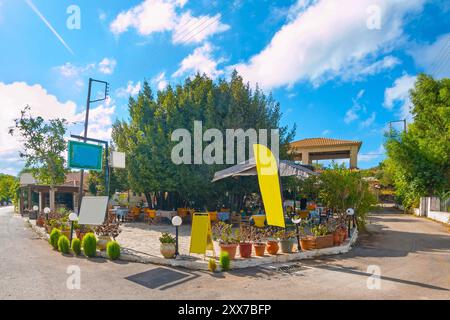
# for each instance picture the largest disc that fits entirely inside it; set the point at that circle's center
(308, 150)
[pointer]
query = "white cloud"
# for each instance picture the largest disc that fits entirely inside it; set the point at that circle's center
(196, 29)
(201, 61)
(325, 132)
(433, 58)
(77, 72)
(15, 96)
(352, 113)
(326, 39)
(369, 121)
(107, 66)
(131, 89)
(399, 94)
(160, 81)
(152, 16)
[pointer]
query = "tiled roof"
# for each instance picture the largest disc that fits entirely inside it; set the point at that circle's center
(319, 142)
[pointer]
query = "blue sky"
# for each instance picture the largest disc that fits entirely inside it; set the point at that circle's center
(340, 69)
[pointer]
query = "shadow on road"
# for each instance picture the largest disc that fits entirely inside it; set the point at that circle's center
(365, 274)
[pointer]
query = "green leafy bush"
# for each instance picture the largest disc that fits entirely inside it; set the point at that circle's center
(167, 238)
(89, 245)
(54, 237)
(76, 246)
(224, 260)
(63, 244)
(113, 250)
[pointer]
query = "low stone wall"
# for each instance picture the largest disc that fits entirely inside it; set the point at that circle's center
(443, 217)
(186, 262)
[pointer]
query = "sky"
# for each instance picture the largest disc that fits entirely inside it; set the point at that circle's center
(339, 68)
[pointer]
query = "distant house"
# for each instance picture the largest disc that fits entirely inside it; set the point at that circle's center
(32, 193)
(310, 149)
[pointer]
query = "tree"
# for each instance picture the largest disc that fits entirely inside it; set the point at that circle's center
(7, 187)
(43, 144)
(146, 138)
(341, 188)
(419, 160)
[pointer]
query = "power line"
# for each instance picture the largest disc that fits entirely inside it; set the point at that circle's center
(215, 20)
(180, 37)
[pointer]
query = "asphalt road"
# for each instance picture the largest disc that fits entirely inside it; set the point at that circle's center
(411, 254)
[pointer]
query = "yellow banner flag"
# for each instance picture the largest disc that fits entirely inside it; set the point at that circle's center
(269, 184)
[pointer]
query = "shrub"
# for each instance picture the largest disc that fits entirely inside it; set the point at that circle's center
(63, 244)
(89, 245)
(113, 250)
(54, 237)
(212, 266)
(76, 246)
(224, 261)
(167, 238)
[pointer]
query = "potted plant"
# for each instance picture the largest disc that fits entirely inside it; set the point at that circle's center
(245, 244)
(167, 245)
(272, 243)
(40, 222)
(65, 230)
(223, 233)
(106, 232)
(286, 239)
(321, 238)
(81, 230)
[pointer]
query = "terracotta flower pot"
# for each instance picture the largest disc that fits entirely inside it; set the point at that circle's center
(40, 221)
(272, 247)
(230, 248)
(260, 248)
(287, 245)
(66, 233)
(343, 234)
(308, 243)
(168, 250)
(48, 228)
(337, 239)
(80, 234)
(245, 250)
(324, 241)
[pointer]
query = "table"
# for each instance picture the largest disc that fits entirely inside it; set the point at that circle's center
(120, 212)
(223, 216)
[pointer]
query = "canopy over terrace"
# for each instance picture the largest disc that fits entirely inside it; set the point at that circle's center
(248, 168)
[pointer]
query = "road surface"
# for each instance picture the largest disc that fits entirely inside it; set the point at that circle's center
(412, 256)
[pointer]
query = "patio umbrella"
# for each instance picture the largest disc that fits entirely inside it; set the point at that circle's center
(248, 168)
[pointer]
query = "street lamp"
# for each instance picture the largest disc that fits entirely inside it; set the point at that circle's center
(72, 217)
(350, 212)
(46, 211)
(35, 210)
(297, 222)
(176, 221)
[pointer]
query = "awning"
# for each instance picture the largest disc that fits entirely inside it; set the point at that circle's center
(248, 168)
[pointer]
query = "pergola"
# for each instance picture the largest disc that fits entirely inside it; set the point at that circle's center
(308, 150)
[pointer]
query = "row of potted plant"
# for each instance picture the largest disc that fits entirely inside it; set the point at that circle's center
(272, 239)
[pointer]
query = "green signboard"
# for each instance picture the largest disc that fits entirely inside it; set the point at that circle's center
(85, 156)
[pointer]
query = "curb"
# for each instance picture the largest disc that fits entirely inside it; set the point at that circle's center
(236, 264)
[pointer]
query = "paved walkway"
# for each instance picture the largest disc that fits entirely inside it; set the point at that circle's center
(412, 254)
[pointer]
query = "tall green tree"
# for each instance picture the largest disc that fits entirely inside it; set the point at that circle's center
(146, 137)
(7, 187)
(43, 145)
(419, 160)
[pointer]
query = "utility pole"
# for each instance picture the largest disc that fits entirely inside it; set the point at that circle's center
(395, 121)
(86, 123)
